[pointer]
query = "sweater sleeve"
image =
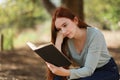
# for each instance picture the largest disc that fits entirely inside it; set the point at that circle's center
(95, 49)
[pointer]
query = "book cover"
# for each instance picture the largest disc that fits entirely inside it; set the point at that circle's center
(49, 53)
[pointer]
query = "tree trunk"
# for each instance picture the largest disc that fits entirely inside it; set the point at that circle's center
(1, 42)
(50, 7)
(75, 6)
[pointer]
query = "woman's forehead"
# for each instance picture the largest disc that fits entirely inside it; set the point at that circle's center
(60, 21)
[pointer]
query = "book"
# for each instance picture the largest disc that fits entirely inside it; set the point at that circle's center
(49, 53)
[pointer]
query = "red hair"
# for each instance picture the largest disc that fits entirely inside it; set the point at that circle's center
(66, 13)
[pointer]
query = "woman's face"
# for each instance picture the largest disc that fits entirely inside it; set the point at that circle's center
(66, 26)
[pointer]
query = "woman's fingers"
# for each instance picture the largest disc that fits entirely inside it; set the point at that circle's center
(51, 66)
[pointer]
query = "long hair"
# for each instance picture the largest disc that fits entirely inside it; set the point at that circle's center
(66, 13)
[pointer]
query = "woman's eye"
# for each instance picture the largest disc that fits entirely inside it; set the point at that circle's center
(64, 25)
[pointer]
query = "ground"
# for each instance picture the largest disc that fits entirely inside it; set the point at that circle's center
(23, 64)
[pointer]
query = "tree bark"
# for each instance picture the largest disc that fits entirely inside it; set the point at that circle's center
(76, 6)
(1, 42)
(50, 7)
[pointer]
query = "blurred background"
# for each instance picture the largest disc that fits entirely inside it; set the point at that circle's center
(30, 20)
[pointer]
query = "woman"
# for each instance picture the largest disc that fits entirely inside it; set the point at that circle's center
(84, 45)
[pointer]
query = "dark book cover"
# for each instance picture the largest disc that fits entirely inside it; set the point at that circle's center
(51, 54)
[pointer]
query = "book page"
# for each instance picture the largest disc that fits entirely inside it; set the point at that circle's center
(31, 45)
(34, 47)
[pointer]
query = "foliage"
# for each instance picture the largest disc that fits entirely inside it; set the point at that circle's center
(21, 13)
(17, 15)
(105, 13)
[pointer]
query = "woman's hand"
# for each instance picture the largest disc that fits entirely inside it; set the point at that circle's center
(58, 70)
(59, 40)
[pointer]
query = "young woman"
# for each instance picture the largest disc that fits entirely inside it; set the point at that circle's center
(84, 45)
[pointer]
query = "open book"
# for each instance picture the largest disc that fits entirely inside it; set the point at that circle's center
(49, 53)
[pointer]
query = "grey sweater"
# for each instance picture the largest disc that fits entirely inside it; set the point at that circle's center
(94, 55)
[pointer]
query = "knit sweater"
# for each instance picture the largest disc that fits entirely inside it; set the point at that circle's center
(94, 54)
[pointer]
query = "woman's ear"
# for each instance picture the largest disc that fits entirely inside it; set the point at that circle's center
(75, 20)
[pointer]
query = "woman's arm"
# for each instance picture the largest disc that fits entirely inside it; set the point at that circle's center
(59, 40)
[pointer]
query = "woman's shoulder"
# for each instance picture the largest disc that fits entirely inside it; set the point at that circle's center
(94, 31)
